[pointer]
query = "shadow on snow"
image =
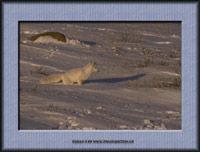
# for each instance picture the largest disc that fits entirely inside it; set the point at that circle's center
(115, 80)
(88, 42)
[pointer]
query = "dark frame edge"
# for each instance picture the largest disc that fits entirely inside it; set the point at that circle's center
(18, 24)
(1, 75)
(97, 1)
(198, 75)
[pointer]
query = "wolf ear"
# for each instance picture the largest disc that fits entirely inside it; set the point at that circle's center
(93, 63)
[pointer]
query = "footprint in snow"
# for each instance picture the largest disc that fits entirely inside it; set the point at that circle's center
(153, 125)
(100, 108)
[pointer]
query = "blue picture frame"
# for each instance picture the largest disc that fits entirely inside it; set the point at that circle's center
(185, 12)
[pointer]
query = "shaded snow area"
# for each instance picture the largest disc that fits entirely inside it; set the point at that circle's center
(138, 86)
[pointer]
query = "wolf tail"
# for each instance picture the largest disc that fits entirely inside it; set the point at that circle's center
(51, 79)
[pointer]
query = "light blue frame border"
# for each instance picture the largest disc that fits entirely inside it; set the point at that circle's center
(21, 11)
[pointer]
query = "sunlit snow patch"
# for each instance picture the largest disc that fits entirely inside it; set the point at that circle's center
(175, 36)
(54, 37)
(47, 39)
(163, 42)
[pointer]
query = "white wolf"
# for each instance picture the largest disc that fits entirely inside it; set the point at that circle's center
(72, 76)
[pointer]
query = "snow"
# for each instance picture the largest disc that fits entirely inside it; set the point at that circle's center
(138, 64)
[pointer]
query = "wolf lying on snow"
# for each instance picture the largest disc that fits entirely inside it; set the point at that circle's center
(78, 75)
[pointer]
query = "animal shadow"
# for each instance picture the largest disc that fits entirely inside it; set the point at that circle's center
(115, 80)
(88, 42)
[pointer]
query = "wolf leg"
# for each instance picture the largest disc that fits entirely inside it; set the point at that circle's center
(66, 81)
(80, 82)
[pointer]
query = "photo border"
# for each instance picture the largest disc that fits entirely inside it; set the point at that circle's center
(76, 22)
(12, 145)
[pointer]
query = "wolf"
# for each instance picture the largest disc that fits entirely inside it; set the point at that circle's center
(70, 77)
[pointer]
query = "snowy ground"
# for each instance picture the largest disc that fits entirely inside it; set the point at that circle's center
(137, 88)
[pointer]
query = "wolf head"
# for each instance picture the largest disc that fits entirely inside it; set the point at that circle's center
(94, 67)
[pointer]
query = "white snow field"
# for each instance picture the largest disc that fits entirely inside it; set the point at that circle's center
(138, 86)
